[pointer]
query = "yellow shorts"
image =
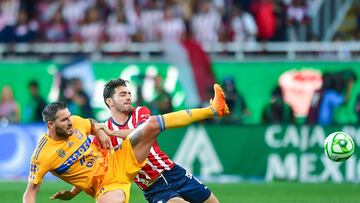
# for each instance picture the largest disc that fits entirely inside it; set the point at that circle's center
(123, 167)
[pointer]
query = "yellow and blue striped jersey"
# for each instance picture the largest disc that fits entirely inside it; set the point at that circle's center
(74, 160)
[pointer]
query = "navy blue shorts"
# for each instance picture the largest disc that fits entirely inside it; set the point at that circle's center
(177, 182)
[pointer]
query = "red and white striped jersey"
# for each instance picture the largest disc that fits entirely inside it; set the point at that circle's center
(156, 162)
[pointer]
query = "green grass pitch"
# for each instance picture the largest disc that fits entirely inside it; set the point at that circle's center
(276, 192)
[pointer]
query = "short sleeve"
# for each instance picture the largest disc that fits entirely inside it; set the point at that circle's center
(79, 122)
(143, 115)
(37, 171)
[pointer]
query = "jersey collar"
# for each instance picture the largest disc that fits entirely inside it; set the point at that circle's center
(121, 125)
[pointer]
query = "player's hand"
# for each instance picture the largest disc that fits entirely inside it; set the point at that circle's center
(63, 195)
(122, 133)
(104, 139)
(102, 126)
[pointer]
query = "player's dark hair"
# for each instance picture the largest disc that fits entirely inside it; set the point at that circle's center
(51, 109)
(109, 89)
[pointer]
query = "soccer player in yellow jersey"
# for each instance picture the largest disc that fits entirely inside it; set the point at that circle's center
(67, 152)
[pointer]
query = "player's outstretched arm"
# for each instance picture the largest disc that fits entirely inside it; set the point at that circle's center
(66, 194)
(30, 193)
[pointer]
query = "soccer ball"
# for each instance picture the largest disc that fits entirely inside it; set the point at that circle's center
(339, 146)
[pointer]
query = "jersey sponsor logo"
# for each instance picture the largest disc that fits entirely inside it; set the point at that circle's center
(82, 160)
(74, 157)
(145, 116)
(61, 153)
(90, 162)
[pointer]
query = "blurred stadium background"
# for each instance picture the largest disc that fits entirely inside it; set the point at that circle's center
(290, 69)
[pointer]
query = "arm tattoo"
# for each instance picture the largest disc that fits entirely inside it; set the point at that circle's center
(136, 135)
(93, 130)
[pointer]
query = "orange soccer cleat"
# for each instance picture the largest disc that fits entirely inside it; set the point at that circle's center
(218, 103)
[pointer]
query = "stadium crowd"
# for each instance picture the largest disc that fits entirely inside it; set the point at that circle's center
(336, 91)
(122, 21)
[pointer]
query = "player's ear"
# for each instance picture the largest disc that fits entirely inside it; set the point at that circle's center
(50, 123)
(109, 102)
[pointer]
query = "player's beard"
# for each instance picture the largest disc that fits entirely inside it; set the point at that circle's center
(62, 133)
(122, 108)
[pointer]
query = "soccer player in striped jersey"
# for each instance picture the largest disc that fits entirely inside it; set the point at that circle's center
(180, 184)
(160, 179)
(137, 145)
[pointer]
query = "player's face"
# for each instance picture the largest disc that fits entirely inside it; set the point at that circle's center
(62, 124)
(121, 100)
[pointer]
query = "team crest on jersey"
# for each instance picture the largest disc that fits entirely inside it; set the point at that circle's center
(145, 116)
(70, 144)
(78, 134)
(61, 153)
